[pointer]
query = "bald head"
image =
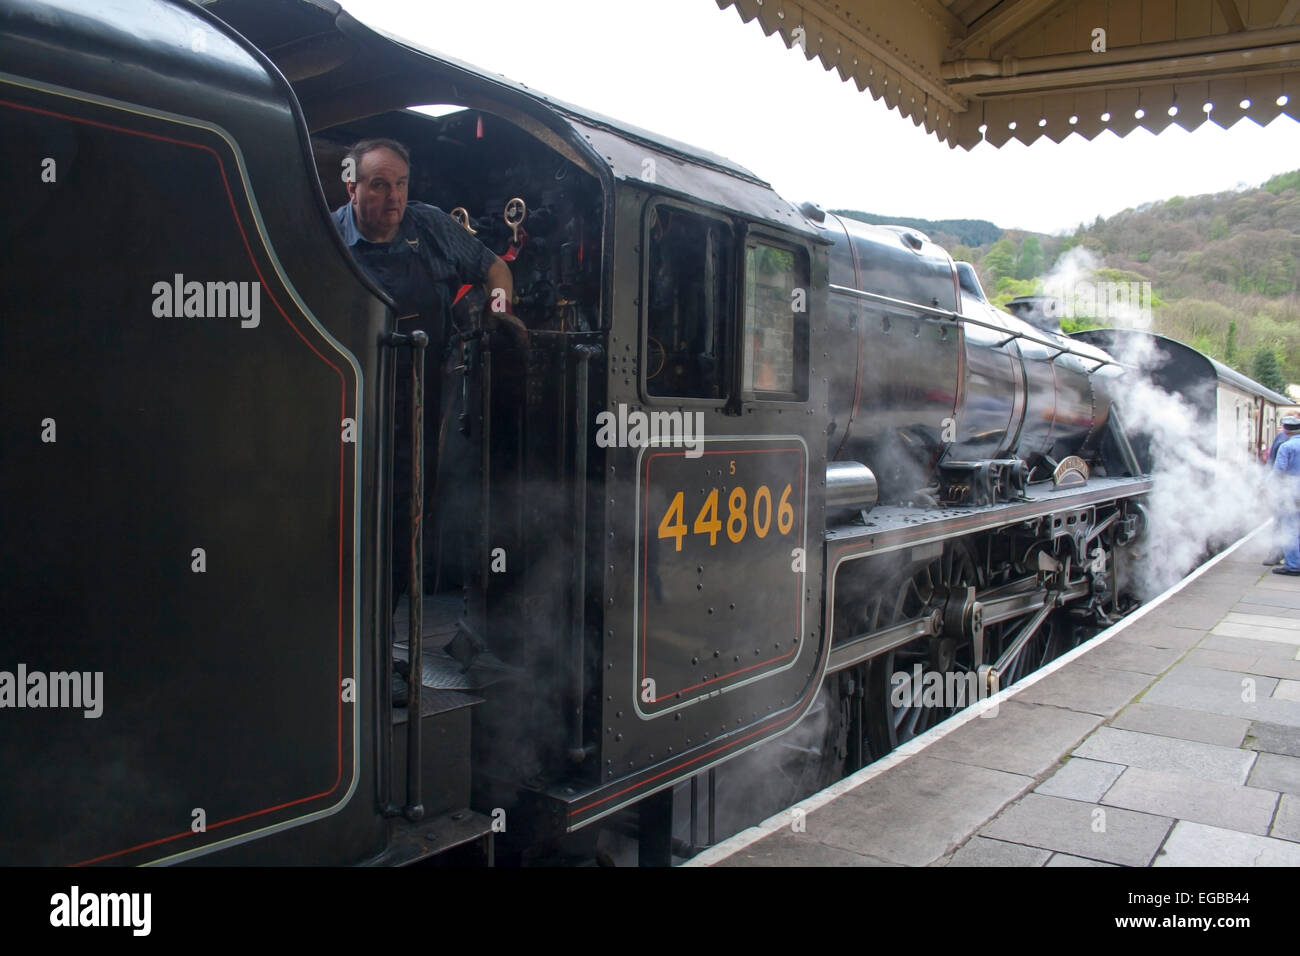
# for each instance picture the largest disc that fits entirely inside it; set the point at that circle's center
(378, 194)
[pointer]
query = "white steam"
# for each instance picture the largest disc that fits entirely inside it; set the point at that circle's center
(1201, 500)
(1118, 304)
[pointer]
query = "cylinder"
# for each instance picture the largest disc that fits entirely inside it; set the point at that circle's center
(850, 484)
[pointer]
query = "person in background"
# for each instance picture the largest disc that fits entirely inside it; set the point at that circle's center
(1278, 439)
(1286, 464)
(1275, 555)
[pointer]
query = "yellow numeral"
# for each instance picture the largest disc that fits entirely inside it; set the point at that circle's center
(673, 523)
(674, 529)
(784, 513)
(765, 496)
(713, 525)
(737, 514)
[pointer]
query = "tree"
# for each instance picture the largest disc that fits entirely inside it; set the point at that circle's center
(1265, 370)
(1283, 181)
(1000, 260)
(1030, 262)
(1230, 348)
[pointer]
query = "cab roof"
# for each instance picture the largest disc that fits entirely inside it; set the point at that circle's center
(342, 69)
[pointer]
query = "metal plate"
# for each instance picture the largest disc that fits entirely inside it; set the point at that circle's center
(720, 578)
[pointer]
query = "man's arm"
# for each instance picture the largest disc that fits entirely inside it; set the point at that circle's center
(500, 288)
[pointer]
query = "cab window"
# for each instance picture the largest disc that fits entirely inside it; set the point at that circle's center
(687, 308)
(776, 322)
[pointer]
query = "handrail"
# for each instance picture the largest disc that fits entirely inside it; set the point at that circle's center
(957, 318)
(417, 342)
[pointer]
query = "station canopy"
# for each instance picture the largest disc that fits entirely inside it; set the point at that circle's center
(996, 70)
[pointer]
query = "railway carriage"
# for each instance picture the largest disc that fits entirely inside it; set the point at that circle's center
(1246, 414)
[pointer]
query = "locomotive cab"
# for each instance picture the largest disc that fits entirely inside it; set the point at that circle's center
(604, 502)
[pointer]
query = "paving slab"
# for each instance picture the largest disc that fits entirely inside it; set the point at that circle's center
(917, 811)
(982, 851)
(1277, 582)
(1085, 689)
(1193, 798)
(1273, 599)
(1262, 620)
(1274, 738)
(1185, 724)
(1287, 690)
(786, 848)
(1197, 615)
(1132, 656)
(1276, 772)
(1081, 779)
(1215, 679)
(1223, 590)
(1273, 667)
(1023, 738)
(1286, 825)
(1065, 859)
(1223, 692)
(1112, 835)
(1249, 607)
(1168, 755)
(1195, 844)
(1244, 645)
(1155, 634)
(1220, 660)
(1225, 702)
(1256, 632)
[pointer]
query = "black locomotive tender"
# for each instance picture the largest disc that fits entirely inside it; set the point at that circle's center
(892, 474)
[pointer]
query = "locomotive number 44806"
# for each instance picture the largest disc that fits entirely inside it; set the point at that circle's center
(746, 512)
(722, 567)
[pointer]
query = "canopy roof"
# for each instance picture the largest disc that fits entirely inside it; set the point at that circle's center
(972, 70)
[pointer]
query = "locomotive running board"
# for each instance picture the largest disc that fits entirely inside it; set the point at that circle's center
(893, 528)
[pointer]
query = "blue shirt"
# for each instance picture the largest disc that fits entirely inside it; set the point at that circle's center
(1278, 439)
(1288, 457)
(429, 259)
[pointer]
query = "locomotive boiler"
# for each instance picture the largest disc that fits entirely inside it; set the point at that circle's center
(946, 412)
(882, 473)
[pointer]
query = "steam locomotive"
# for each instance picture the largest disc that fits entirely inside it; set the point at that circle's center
(886, 474)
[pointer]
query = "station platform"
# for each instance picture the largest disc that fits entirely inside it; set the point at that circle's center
(1170, 739)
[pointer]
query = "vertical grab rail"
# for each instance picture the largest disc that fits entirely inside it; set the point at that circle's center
(416, 341)
(578, 750)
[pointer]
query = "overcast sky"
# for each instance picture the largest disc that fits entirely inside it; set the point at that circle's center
(695, 73)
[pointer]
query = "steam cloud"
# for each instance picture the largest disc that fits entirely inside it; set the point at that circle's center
(1201, 501)
(1073, 282)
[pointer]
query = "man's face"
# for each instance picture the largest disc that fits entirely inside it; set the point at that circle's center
(379, 194)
